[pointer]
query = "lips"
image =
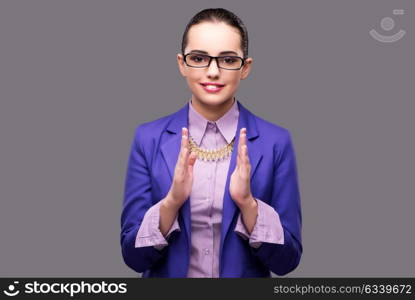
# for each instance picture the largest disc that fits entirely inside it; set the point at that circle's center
(212, 87)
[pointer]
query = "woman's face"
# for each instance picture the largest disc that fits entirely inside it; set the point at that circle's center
(213, 38)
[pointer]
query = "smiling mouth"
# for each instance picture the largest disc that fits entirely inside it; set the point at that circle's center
(212, 88)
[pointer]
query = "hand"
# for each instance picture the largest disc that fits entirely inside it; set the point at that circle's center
(183, 174)
(240, 183)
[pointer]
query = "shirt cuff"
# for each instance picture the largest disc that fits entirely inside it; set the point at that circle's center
(149, 233)
(267, 229)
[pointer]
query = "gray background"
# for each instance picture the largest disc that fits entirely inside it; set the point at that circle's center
(77, 77)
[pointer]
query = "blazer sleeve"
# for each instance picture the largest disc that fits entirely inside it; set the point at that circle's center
(137, 201)
(284, 258)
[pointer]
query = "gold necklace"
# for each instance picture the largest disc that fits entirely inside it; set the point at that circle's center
(211, 155)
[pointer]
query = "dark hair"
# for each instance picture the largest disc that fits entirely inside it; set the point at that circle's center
(218, 15)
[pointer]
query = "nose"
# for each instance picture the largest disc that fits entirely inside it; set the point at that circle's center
(213, 69)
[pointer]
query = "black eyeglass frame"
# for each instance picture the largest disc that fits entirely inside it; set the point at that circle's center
(214, 57)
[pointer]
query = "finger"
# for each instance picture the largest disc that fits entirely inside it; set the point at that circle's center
(245, 155)
(184, 149)
(191, 162)
(239, 157)
(192, 158)
(243, 136)
(238, 161)
(243, 152)
(182, 140)
(245, 162)
(240, 141)
(185, 134)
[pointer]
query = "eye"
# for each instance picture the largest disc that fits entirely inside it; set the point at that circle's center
(229, 60)
(197, 58)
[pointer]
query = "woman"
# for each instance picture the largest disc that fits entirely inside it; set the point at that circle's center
(211, 190)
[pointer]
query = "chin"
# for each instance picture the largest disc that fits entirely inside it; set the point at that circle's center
(212, 100)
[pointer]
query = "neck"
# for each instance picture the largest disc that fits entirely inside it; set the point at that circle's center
(212, 113)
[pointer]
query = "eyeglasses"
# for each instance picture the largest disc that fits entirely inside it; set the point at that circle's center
(196, 60)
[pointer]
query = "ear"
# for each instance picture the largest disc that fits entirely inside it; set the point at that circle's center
(246, 69)
(181, 64)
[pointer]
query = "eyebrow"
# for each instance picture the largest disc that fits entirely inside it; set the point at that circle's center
(223, 52)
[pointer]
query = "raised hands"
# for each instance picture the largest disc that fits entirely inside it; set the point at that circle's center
(183, 173)
(240, 187)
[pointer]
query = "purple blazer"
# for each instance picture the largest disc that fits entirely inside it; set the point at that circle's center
(274, 180)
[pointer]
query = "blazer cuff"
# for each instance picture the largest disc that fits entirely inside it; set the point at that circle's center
(149, 233)
(267, 229)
